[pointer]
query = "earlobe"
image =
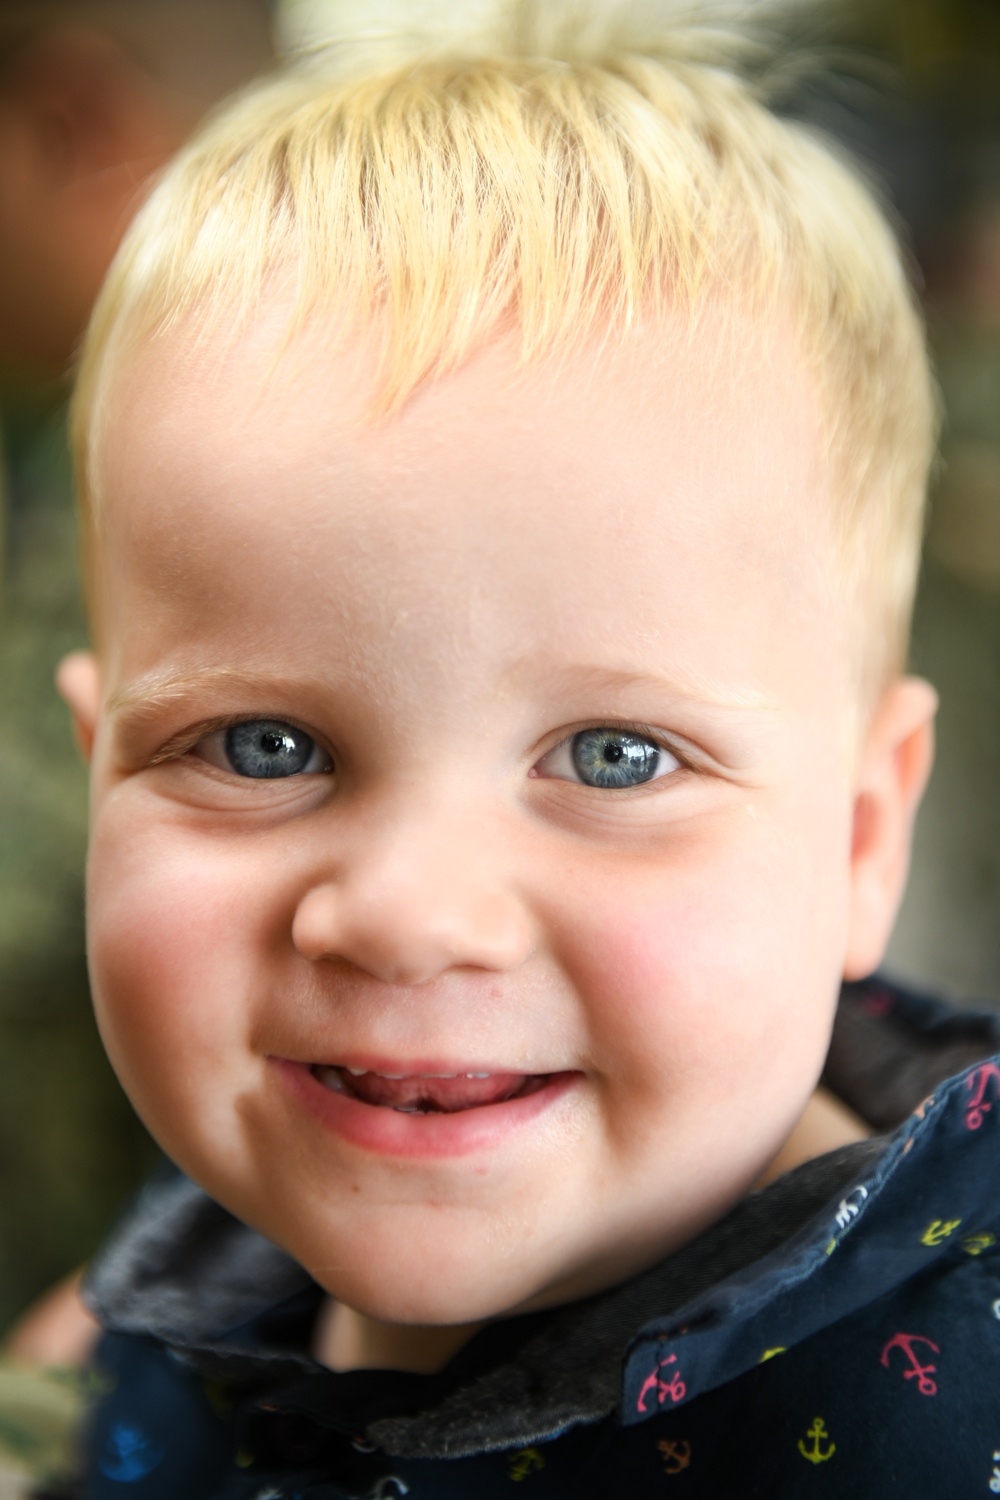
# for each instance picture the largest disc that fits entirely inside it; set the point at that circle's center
(892, 774)
(78, 678)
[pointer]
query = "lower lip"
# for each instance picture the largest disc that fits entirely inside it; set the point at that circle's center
(391, 1133)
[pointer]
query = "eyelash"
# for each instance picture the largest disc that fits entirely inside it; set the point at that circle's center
(182, 744)
(629, 726)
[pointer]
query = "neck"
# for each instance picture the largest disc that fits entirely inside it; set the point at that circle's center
(349, 1340)
(823, 1125)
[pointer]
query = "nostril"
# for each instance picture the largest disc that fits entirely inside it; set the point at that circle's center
(313, 926)
(331, 923)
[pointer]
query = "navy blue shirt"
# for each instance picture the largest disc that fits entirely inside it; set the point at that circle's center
(836, 1334)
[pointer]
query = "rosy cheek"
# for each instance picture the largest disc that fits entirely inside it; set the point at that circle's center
(674, 971)
(170, 949)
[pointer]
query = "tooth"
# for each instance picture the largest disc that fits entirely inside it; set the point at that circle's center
(393, 1077)
(437, 1075)
(357, 1072)
(479, 1075)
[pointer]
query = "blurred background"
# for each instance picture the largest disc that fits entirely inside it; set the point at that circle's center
(94, 97)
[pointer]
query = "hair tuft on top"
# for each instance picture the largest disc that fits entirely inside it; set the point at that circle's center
(387, 33)
(556, 169)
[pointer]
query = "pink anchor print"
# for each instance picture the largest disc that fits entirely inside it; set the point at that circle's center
(674, 1388)
(978, 1083)
(918, 1372)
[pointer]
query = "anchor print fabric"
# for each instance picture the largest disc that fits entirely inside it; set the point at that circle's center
(838, 1334)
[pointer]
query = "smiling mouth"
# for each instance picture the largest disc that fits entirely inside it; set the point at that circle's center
(428, 1093)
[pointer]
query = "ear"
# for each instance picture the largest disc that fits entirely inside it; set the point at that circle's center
(895, 764)
(78, 679)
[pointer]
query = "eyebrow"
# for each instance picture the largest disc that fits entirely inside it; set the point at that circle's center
(148, 694)
(701, 691)
(159, 689)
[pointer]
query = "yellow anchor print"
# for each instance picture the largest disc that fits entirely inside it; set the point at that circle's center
(771, 1353)
(975, 1244)
(939, 1230)
(815, 1454)
(676, 1455)
(524, 1463)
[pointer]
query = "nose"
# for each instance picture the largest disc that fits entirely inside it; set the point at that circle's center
(407, 909)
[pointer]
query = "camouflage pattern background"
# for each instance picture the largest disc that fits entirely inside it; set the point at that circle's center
(70, 1146)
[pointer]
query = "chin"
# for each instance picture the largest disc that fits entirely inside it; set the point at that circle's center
(403, 1282)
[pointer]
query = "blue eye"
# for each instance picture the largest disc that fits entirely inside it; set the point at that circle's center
(612, 758)
(608, 758)
(268, 748)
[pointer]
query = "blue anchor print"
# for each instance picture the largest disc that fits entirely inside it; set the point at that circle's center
(129, 1455)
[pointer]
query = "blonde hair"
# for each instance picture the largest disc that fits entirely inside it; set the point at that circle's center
(558, 183)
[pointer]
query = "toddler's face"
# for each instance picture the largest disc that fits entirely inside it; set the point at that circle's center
(471, 867)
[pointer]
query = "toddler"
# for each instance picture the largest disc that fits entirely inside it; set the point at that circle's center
(503, 471)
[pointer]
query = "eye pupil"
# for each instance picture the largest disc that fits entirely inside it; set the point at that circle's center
(613, 752)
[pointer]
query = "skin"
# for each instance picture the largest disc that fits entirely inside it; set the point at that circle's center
(57, 1331)
(443, 600)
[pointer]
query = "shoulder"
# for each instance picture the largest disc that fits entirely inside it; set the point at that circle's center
(900, 1397)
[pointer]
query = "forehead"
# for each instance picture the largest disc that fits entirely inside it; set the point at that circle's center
(669, 484)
